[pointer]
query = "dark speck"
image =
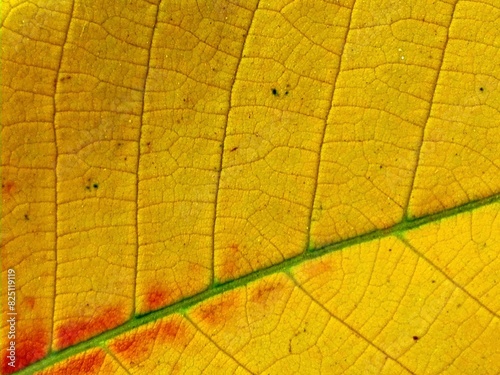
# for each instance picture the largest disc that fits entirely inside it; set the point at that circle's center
(415, 338)
(481, 89)
(275, 92)
(95, 186)
(26, 217)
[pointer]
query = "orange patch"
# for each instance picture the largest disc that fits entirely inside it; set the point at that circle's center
(30, 347)
(88, 363)
(231, 268)
(264, 292)
(219, 311)
(169, 330)
(158, 297)
(81, 329)
(135, 347)
(8, 189)
(317, 267)
(29, 302)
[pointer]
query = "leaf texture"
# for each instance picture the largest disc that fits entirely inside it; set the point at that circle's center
(251, 187)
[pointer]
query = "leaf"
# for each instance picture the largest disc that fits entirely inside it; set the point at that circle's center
(249, 187)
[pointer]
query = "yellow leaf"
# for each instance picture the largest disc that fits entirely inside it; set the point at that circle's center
(250, 187)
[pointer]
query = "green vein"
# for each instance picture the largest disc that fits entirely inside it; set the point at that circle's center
(183, 306)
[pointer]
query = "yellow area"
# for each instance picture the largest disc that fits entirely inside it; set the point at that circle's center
(281, 95)
(404, 305)
(460, 156)
(380, 106)
(98, 106)
(194, 57)
(154, 149)
(273, 326)
(91, 362)
(171, 346)
(465, 249)
(387, 306)
(28, 228)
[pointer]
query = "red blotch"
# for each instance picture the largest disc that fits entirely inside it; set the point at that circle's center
(30, 347)
(169, 331)
(73, 332)
(136, 347)
(29, 302)
(88, 363)
(158, 297)
(219, 311)
(8, 189)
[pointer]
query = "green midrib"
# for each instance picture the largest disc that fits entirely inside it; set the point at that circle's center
(184, 305)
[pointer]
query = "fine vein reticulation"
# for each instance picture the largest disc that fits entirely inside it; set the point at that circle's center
(233, 159)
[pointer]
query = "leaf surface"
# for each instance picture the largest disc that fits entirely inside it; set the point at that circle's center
(251, 187)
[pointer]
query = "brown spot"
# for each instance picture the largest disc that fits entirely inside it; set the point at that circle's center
(415, 338)
(234, 149)
(67, 77)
